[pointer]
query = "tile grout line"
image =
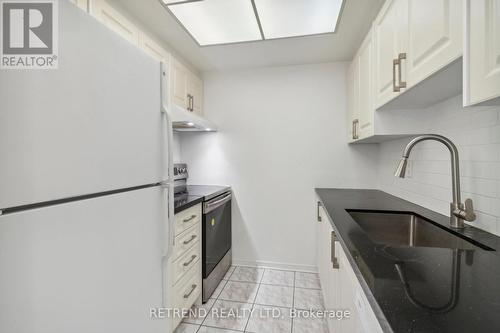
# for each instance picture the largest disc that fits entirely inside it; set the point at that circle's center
(254, 303)
(255, 298)
(215, 300)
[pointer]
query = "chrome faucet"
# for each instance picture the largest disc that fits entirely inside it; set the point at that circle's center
(458, 210)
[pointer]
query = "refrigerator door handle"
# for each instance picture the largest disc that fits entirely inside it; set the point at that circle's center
(168, 162)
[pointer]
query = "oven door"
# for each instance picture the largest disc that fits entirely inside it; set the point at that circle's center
(216, 231)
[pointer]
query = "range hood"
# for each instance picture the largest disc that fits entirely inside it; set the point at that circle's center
(184, 121)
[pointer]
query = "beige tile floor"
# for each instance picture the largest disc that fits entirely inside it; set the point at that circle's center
(264, 291)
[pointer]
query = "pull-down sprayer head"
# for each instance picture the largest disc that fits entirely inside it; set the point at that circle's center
(401, 170)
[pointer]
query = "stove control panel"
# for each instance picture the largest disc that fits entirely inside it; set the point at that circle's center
(180, 171)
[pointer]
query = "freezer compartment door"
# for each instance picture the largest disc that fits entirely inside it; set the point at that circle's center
(92, 125)
(87, 266)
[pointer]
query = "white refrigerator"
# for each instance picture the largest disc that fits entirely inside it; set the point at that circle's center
(86, 200)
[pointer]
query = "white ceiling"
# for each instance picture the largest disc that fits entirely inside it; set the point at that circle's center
(354, 23)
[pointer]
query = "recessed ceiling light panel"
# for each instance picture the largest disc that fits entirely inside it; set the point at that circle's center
(290, 18)
(213, 22)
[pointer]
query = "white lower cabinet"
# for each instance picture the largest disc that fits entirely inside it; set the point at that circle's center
(341, 288)
(185, 280)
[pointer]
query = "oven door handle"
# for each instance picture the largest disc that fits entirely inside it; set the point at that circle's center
(211, 205)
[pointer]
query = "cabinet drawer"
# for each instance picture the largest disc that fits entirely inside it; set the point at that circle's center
(186, 240)
(183, 264)
(187, 218)
(187, 291)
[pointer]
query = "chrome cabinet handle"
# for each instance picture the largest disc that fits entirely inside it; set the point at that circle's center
(193, 288)
(189, 219)
(395, 87)
(192, 103)
(319, 215)
(189, 97)
(333, 258)
(193, 237)
(187, 263)
(401, 56)
(355, 124)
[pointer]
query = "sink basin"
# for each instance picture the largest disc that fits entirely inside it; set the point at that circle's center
(410, 230)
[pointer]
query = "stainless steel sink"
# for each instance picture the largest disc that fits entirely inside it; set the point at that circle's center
(406, 229)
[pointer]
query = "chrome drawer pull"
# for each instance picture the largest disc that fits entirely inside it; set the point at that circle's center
(401, 56)
(355, 124)
(193, 237)
(333, 257)
(193, 288)
(395, 87)
(187, 263)
(189, 219)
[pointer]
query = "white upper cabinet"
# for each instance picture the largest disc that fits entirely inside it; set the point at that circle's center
(195, 92)
(434, 36)
(364, 59)
(408, 60)
(83, 4)
(115, 20)
(482, 52)
(178, 84)
(388, 30)
(413, 40)
(153, 48)
(186, 88)
(360, 87)
(352, 100)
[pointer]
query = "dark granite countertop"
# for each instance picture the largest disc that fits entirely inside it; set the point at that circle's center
(207, 191)
(427, 302)
(195, 194)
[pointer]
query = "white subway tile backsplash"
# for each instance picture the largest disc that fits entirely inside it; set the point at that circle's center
(484, 187)
(476, 132)
(494, 134)
(486, 222)
(495, 207)
(495, 170)
(437, 167)
(481, 153)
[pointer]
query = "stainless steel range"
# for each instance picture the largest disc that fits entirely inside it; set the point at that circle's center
(216, 226)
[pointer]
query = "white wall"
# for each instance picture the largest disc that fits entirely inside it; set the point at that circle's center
(282, 133)
(476, 132)
(176, 148)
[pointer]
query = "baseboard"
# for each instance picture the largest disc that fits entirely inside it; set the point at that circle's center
(275, 265)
